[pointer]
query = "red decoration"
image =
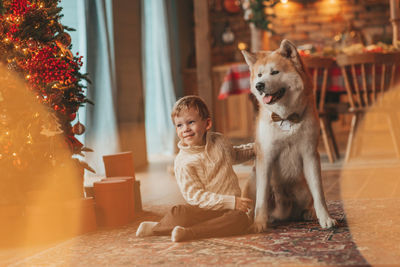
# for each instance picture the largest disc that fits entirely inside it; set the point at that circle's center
(78, 128)
(72, 116)
(74, 143)
(20, 7)
(232, 6)
(46, 66)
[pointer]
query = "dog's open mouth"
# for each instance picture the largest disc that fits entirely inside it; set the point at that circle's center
(270, 99)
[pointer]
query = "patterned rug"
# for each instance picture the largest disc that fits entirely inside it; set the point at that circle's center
(295, 243)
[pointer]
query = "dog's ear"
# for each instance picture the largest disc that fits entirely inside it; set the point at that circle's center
(289, 50)
(249, 57)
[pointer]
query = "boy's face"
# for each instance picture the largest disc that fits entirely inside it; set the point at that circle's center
(191, 128)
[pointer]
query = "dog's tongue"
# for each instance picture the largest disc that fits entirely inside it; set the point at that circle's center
(267, 99)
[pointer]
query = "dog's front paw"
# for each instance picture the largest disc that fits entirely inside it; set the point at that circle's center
(327, 222)
(258, 227)
(260, 221)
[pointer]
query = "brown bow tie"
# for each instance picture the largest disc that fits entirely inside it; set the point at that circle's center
(294, 117)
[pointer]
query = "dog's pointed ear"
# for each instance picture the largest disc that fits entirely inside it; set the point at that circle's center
(289, 50)
(249, 57)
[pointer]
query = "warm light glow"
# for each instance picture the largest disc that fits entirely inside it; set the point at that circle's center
(337, 37)
(242, 46)
(329, 7)
(370, 194)
(284, 1)
(23, 142)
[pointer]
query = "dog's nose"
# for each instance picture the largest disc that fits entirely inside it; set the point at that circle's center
(260, 86)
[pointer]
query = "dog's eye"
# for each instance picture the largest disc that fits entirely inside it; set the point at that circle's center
(274, 72)
(259, 75)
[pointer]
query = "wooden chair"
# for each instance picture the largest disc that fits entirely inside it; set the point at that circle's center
(316, 67)
(367, 77)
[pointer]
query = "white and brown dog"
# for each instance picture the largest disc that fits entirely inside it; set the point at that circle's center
(287, 179)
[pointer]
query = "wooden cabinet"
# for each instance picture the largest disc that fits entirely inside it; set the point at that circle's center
(234, 116)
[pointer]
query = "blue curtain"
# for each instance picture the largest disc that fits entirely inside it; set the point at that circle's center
(159, 86)
(102, 133)
(75, 17)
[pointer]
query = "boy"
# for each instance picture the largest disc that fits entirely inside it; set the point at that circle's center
(204, 173)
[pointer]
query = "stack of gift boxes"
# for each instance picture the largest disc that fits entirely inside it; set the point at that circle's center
(117, 197)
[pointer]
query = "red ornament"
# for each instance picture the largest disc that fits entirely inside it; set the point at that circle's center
(232, 6)
(78, 128)
(72, 116)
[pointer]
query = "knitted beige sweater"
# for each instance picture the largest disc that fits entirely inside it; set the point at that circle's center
(205, 175)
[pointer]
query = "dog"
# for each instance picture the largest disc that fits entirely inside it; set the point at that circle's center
(287, 181)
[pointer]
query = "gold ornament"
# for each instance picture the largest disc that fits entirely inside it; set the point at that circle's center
(78, 128)
(63, 40)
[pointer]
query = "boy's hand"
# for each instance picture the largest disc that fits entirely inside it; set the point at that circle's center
(243, 204)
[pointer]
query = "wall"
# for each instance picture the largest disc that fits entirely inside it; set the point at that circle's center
(316, 22)
(320, 21)
(220, 19)
(130, 100)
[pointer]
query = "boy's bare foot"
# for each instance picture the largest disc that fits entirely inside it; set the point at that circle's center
(180, 233)
(145, 229)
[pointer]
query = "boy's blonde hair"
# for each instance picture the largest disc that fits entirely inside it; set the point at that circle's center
(191, 101)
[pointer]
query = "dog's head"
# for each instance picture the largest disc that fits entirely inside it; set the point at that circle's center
(277, 77)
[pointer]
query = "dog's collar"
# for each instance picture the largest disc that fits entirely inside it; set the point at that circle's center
(294, 118)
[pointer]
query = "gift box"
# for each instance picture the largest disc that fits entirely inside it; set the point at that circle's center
(121, 165)
(131, 193)
(112, 202)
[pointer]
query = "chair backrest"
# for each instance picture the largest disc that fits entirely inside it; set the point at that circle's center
(317, 66)
(367, 76)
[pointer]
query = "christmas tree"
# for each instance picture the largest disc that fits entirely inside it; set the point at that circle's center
(35, 46)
